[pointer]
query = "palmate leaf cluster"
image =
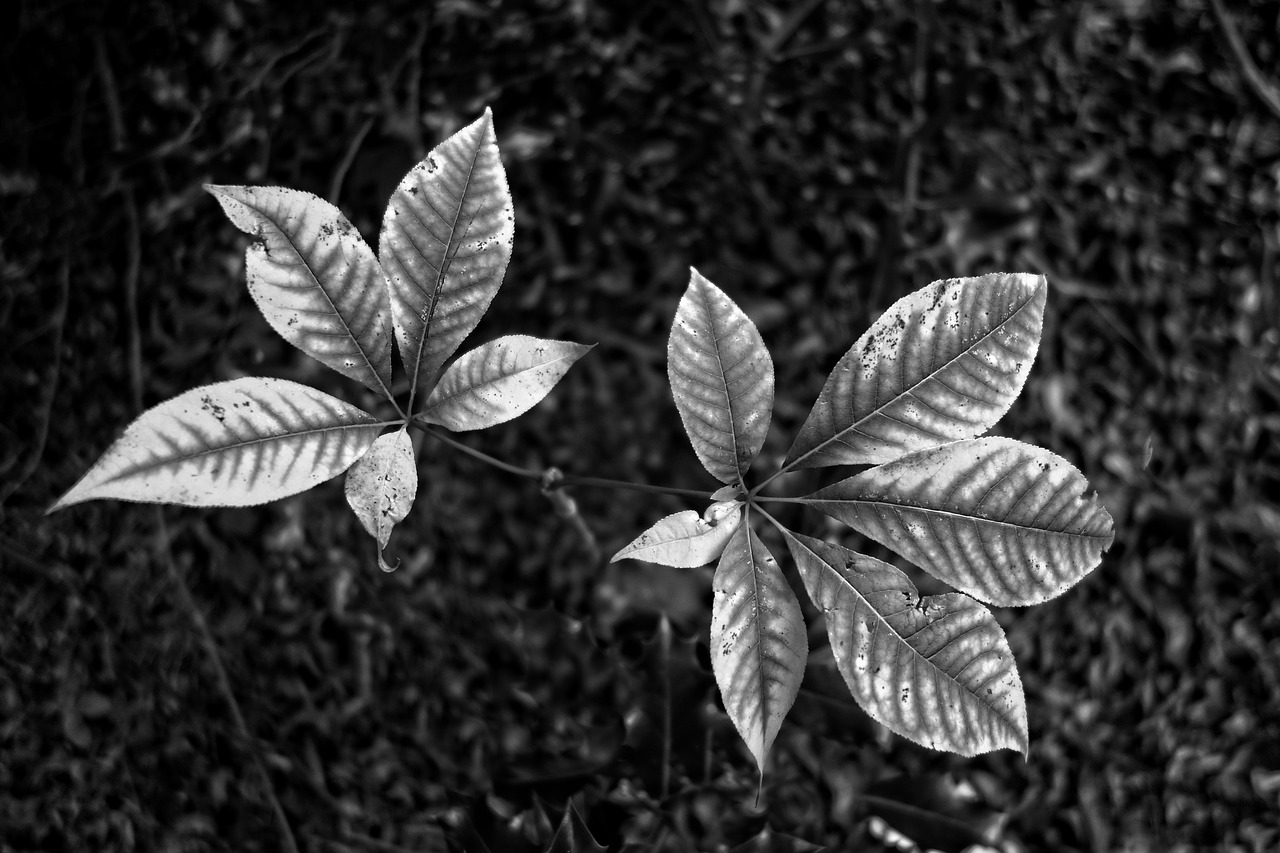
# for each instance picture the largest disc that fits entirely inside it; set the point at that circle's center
(443, 251)
(1003, 522)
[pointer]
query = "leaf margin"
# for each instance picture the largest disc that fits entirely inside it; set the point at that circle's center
(809, 557)
(210, 400)
(812, 446)
(707, 305)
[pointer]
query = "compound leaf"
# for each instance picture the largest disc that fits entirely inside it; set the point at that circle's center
(381, 487)
(685, 539)
(722, 379)
(758, 640)
(1009, 523)
(936, 670)
(237, 443)
(315, 280)
(943, 363)
(498, 381)
(446, 240)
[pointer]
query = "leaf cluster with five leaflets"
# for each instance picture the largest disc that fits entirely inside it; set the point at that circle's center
(445, 244)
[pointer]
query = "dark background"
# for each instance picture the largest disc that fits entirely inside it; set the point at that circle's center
(817, 161)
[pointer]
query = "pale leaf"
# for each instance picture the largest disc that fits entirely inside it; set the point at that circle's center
(498, 381)
(727, 493)
(237, 443)
(1009, 523)
(722, 379)
(685, 539)
(936, 669)
(446, 240)
(315, 280)
(381, 487)
(758, 640)
(943, 363)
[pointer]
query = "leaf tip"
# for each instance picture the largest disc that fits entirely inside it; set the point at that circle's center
(60, 503)
(382, 563)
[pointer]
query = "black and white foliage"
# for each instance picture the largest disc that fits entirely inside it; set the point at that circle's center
(1004, 522)
(445, 244)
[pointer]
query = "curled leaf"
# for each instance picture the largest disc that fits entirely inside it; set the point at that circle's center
(498, 381)
(381, 487)
(685, 539)
(722, 379)
(445, 244)
(1009, 523)
(943, 363)
(315, 280)
(237, 443)
(758, 641)
(936, 669)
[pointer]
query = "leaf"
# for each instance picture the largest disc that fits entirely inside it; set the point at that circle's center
(315, 280)
(731, 492)
(573, 836)
(936, 670)
(498, 381)
(758, 640)
(684, 539)
(663, 692)
(446, 240)
(721, 378)
(237, 443)
(768, 841)
(943, 363)
(381, 487)
(1004, 521)
(936, 811)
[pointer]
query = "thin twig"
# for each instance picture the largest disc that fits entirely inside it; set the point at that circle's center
(132, 271)
(528, 473)
(131, 275)
(564, 481)
(50, 386)
(567, 508)
(787, 28)
(110, 94)
(600, 482)
(340, 174)
(1266, 91)
(224, 682)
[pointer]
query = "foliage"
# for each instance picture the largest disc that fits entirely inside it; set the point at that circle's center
(445, 244)
(1005, 522)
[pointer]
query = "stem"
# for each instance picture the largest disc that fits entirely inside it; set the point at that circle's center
(483, 457)
(559, 482)
(778, 499)
(771, 520)
(767, 480)
(633, 487)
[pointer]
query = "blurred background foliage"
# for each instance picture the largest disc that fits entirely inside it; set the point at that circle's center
(817, 160)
